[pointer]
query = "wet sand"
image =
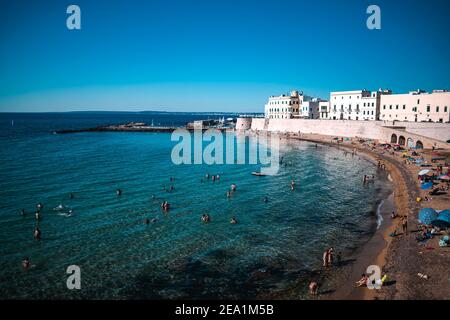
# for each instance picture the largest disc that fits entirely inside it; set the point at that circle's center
(400, 257)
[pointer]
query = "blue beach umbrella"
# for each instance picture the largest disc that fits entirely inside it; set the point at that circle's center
(427, 215)
(427, 185)
(442, 220)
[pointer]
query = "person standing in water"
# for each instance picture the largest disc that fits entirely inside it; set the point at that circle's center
(118, 192)
(292, 185)
(37, 234)
(23, 213)
(26, 263)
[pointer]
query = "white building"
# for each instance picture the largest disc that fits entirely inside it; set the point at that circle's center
(311, 109)
(285, 106)
(356, 105)
(324, 109)
(416, 106)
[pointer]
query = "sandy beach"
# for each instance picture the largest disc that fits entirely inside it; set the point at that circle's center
(401, 258)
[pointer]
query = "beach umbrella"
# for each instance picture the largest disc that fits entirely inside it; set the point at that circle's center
(442, 220)
(423, 172)
(427, 185)
(427, 215)
(444, 177)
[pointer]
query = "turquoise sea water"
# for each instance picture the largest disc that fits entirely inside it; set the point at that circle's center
(275, 248)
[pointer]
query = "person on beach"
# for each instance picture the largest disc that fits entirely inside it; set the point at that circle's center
(37, 234)
(364, 179)
(393, 215)
(313, 288)
(405, 225)
(363, 281)
(26, 263)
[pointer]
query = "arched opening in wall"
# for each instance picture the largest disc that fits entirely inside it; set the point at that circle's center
(419, 145)
(401, 140)
(394, 138)
(410, 143)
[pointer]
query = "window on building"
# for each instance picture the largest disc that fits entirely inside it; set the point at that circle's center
(396, 107)
(404, 107)
(445, 109)
(418, 101)
(428, 108)
(437, 108)
(384, 107)
(390, 107)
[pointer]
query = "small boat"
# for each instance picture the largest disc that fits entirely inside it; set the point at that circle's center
(258, 174)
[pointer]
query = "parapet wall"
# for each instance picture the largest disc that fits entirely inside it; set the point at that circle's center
(424, 133)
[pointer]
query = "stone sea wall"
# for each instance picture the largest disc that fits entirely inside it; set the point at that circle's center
(427, 134)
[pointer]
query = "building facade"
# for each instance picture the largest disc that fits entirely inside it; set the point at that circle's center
(324, 109)
(356, 105)
(416, 106)
(285, 106)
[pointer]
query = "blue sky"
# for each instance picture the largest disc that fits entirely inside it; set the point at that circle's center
(216, 55)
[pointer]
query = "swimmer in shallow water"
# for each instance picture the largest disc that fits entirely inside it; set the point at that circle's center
(37, 234)
(23, 213)
(26, 263)
(37, 215)
(233, 220)
(118, 192)
(266, 199)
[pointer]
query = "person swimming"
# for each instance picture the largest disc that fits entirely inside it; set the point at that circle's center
(39, 206)
(146, 221)
(26, 263)
(266, 199)
(23, 213)
(37, 215)
(118, 192)
(293, 185)
(228, 194)
(71, 196)
(233, 187)
(206, 218)
(37, 234)
(233, 220)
